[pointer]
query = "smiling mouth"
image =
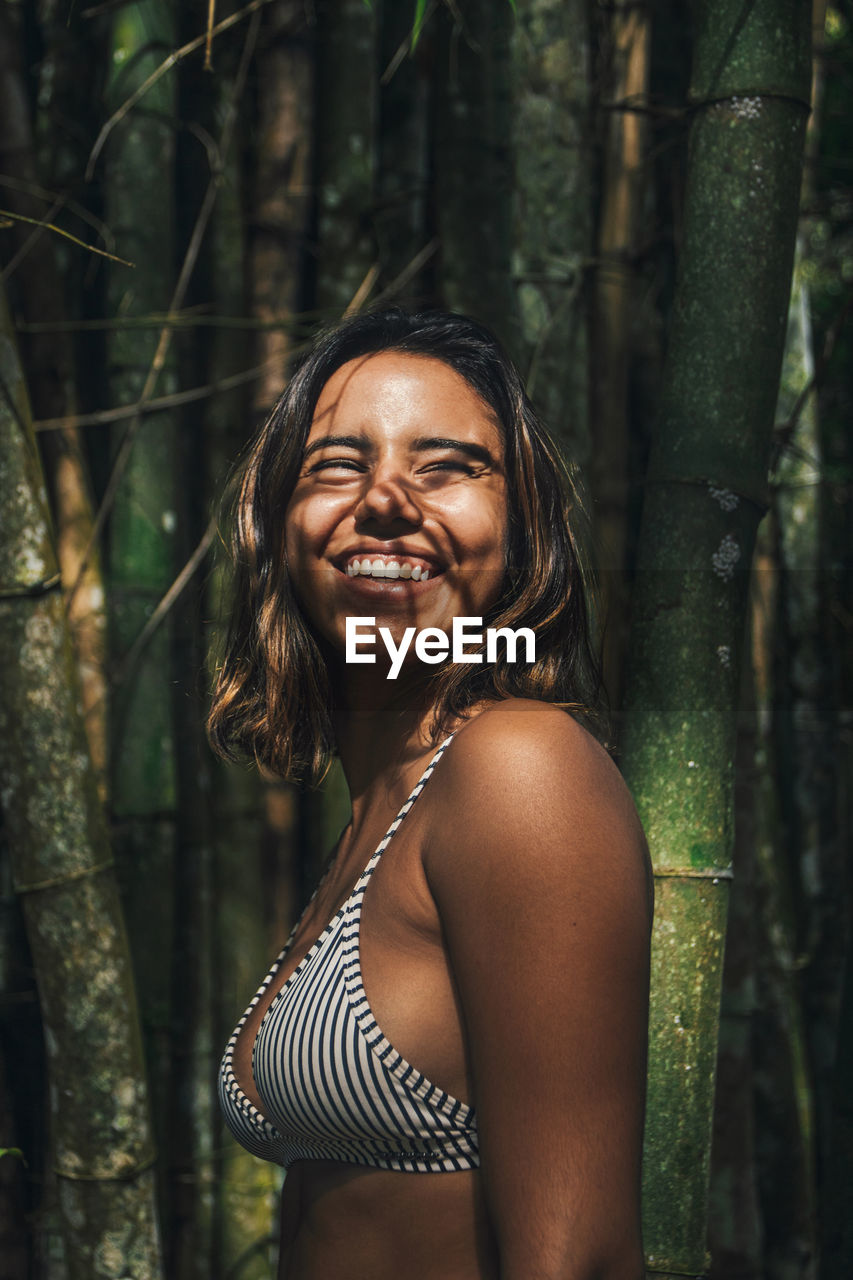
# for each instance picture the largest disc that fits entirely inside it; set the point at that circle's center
(390, 566)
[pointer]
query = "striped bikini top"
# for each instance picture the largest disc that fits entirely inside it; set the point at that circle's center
(331, 1084)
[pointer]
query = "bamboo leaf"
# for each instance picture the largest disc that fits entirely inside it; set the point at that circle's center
(420, 14)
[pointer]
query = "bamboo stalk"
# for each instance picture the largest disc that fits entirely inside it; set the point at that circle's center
(242, 878)
(401, 220)
(705, 492)
(50, 362)
(473, 165)
(347, 74)
(141, 498)
(552, 225)
(63, 871)
(281, 189)
(623, 189)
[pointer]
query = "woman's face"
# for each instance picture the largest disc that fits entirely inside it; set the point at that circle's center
(400, 509)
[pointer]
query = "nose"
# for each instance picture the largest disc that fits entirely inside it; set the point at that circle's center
(387, 499)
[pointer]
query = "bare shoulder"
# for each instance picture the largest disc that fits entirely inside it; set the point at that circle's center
(523, 732)
(524, 783)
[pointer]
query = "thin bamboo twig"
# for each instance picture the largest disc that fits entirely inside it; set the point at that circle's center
(399, 282)
(104, 417)
(363, 291)
(188, 318)
(52, 197)
(190, 257)
(51, 226)
(405, 46)
(164, 607)
(208, 48)
(167, 602)
(108, 6)
(784, 430)
(173, 59)
(32, 239)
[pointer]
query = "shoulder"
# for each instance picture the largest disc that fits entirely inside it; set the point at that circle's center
(526, 794)
(528, 755)
(521, 729)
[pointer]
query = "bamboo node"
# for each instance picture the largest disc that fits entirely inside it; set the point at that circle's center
(693, 873)
(66, 878)
(746, 102)
(726, 496)
(28, 590)
(687, 1275)
(102, 1175)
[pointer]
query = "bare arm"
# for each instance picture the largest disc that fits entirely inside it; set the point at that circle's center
(539, 870)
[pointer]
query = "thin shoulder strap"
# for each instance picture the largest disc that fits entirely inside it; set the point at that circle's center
(406, 806)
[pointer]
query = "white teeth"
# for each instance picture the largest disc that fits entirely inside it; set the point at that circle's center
(378, 568)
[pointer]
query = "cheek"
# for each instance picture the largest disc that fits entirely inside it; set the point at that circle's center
(308, 525)
(493, 528)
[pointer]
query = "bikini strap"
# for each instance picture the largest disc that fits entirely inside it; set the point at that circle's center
(406, 806)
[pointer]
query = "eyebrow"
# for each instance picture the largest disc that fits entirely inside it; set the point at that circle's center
(423, 444)
(478, 451)
(336, 442)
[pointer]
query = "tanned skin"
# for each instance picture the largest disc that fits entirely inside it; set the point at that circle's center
(505, 931)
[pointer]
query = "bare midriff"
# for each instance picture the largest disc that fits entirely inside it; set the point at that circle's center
(352, 1223)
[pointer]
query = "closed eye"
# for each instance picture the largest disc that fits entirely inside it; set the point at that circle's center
(344, 464)
(452, 464)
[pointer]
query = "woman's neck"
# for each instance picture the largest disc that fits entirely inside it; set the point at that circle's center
(381, 729)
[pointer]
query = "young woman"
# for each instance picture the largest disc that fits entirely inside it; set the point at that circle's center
(449, 1054)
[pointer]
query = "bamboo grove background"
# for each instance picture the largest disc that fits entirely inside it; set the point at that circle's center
(616, 189)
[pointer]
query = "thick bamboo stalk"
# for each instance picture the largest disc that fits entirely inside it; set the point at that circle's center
(809, 852)
(281, 188)
(244, 1210)
(623, 190)
(553, 210)
(473, 165)
(63, 872)
(734, 1219)
(828, 144)
(50, 361)
(403, 162)
(253, 860)
(347, 76)
(139, 203)
(615, 296)
(706, 490)
(14, 1245)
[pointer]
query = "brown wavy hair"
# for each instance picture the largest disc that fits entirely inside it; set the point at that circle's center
(273, 696)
